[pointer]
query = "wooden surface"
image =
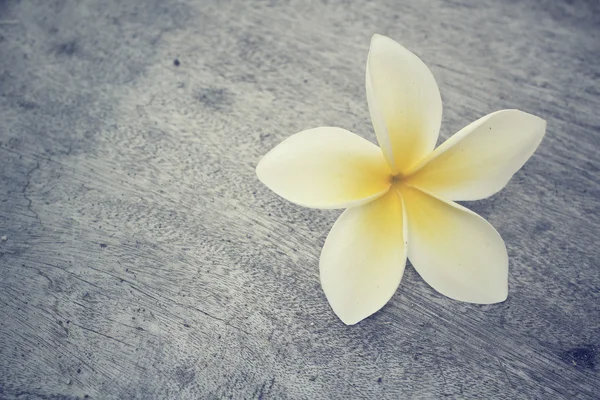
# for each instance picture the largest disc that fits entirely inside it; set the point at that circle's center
(140, 258)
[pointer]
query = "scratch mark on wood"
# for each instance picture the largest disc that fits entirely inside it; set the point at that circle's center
(102, 334)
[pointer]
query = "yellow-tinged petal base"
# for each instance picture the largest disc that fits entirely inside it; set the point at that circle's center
(325, 168)
(454, 250)
(480, 159)
(363, 258)
(404, 103)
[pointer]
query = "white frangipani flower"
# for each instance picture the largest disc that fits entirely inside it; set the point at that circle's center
(400, 197)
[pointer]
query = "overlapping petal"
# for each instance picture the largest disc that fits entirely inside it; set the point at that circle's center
(363, 258)
(480, 159)
(454, 250)
(404, 102)
(325, 168)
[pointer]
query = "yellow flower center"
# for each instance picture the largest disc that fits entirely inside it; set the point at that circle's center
(397, 181)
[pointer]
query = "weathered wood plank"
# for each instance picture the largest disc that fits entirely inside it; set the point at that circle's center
(141, 258)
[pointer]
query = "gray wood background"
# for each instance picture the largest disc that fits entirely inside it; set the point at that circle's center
(141, 258)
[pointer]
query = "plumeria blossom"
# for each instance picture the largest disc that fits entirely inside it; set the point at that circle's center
(400, 197)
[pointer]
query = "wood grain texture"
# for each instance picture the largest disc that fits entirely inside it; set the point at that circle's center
(141, 258)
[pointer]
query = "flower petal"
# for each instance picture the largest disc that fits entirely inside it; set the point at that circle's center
(404, 102)
(480, 159)
(363, 259)
(325, 168)
(454, 250)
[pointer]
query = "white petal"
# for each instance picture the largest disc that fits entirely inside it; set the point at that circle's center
(325, 168)
(480, 159)
(363, 258)
(455, 250)
(404, 102)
